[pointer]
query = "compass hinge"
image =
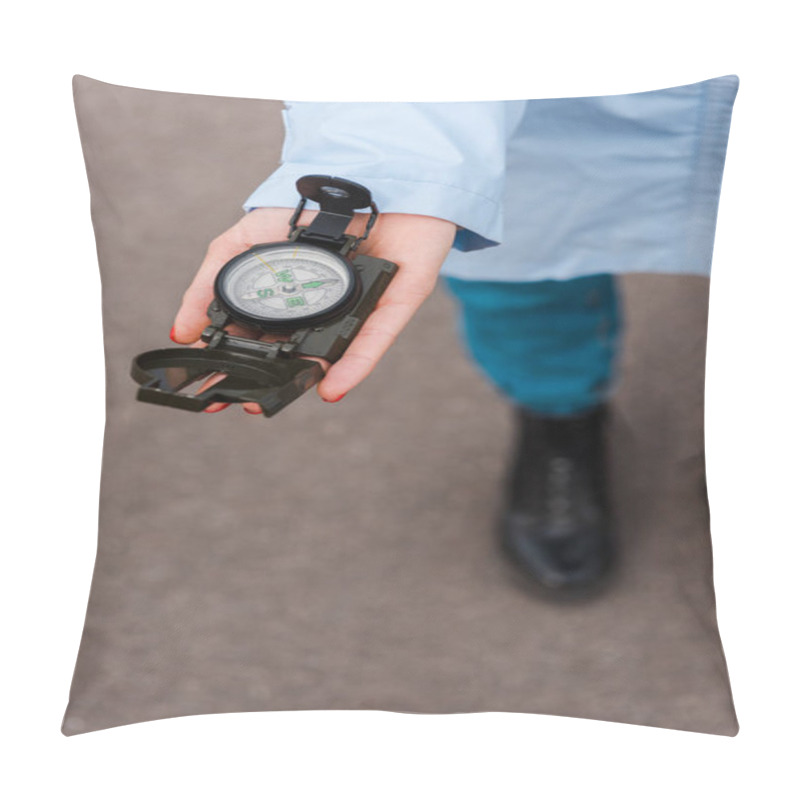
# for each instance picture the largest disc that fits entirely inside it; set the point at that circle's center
(342, 245)
(218, 339)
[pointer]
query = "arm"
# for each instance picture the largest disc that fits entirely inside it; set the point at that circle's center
(443, 160)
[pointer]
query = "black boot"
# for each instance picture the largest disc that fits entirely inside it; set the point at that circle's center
(555, 525)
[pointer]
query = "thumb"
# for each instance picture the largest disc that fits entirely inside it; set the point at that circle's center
(191, 319)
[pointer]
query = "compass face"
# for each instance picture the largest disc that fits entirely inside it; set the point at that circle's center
(285, 285)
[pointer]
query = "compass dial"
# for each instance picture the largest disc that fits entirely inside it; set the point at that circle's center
(285, 285)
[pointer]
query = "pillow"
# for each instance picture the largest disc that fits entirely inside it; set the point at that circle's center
(345, 556)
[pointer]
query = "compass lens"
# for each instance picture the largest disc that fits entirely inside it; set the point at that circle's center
(287, 283)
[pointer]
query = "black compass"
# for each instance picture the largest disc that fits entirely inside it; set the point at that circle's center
(311, 287)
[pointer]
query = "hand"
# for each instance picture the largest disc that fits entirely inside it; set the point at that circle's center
(417, 244)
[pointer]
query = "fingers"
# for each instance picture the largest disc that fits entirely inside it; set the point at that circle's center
(217, 376)
(255, 408)
(191, 318)
(418, 245)
(249, 408)
(398, 305)
(214, 407)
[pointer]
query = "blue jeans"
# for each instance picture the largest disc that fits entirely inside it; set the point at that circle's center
(549, 345)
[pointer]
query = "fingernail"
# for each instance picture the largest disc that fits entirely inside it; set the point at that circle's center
(335, 399)
(247, 411)
(172, 335)
(214, 410)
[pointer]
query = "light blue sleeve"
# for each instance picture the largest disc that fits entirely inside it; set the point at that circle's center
(445, 160)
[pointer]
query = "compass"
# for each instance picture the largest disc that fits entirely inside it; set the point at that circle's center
(312, 287)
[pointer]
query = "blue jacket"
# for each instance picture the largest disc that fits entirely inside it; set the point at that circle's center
(552, 188)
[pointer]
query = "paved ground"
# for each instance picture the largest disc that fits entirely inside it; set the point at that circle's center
(342, 556)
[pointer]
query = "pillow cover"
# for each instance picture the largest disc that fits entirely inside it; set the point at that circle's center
(343, 556)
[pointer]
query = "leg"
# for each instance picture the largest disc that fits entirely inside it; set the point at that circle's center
(549, 346)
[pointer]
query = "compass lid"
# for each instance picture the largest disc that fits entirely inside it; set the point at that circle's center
(172, 376)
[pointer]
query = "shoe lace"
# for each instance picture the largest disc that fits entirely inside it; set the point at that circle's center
(560, 473)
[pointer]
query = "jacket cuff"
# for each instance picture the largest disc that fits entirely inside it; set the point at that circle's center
(479, 218)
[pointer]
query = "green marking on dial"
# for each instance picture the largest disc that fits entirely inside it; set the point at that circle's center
(284, 275)
(295, 301)
(265, 292)
(314, 284)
